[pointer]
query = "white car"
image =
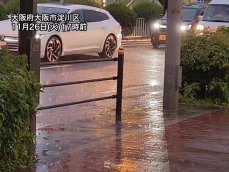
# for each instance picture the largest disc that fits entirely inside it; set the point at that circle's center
(216, 15)
(103, 34)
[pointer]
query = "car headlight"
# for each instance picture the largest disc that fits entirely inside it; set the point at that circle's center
(183, 27)
(156, 25)
(39, 36)
(200, 27)
(186, 27)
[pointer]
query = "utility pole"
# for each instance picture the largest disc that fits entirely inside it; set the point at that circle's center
(27, 46)
(172, 76)
(25, 36)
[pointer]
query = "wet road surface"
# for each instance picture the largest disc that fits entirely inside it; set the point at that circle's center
(85, 138)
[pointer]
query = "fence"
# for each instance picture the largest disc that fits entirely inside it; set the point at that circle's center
(141, 29)
(35, 66)
(119, 79)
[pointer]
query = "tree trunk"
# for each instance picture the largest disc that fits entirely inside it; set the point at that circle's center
(3, 1)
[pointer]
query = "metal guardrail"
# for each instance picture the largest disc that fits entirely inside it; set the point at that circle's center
(35, 66)
(119, 79)
(141, 29)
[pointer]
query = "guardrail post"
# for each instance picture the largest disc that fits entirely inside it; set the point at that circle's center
(35, 62)
(119, 84)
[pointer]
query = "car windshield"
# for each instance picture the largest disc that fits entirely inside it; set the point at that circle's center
(188, 14)
(51, 10)
(217, 13)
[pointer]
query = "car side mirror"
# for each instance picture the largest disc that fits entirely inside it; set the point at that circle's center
(199, 18)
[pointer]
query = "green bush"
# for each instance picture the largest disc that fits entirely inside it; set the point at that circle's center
(44, 1)
(13, 6)
(205, 62)
(83, 2)
(18, 93)
(3, 12)
(125, 16)
(148, 10)
(223, 29)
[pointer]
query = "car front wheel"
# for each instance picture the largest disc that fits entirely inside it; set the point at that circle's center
(53, 49)
(109, 47)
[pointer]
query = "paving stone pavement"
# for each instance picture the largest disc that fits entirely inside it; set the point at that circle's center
(198, 144)
(85, 138)
(185, 140)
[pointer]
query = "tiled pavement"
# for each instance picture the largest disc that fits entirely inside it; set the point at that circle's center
(200, 144)
(181, 141)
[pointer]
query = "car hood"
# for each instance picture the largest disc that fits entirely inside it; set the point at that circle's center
(213, 25)
(164, 22)
(6, 29)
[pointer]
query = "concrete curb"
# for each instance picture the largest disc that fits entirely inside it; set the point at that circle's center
(136, 40)
(144, 41)
(137, 43)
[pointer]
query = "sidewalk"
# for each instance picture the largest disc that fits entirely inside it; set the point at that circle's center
(189, 140)
(84, 138)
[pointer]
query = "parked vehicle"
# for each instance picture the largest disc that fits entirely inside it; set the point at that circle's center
(190, 20)
(216, 15)
(103, 34)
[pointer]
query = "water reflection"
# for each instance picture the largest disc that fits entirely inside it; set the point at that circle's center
(123, 163)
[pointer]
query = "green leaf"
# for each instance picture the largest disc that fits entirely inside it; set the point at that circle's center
(18, 93)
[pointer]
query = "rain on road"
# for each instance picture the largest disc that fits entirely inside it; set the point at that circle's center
(143, 75)
(84, 138)
(143, 69)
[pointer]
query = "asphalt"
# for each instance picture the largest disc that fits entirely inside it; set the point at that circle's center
(85, 138)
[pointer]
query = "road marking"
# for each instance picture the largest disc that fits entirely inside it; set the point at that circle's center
(57, 66)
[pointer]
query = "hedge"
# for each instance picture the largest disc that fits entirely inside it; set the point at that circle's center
(3, 12)
(18, 94)
(148, 10)
(13, 6)
(205, 63)
(83, 2)
(125, 16)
